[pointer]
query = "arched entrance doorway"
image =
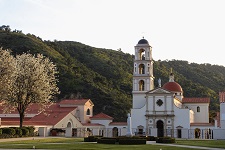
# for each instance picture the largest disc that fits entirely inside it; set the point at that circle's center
(115, 132)
(179, 131)
(68, 130)
(160, 129)
(197, 133)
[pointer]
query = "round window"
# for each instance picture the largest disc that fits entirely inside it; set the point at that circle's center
(159, 102)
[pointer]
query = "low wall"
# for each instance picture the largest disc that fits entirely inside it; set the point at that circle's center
(219, 134)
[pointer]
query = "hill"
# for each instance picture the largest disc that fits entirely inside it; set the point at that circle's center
(105, 76)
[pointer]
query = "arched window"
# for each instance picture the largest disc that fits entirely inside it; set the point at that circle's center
(141, 69)
(198, 109)
(141, 54)
(141, 85)
(88, 112)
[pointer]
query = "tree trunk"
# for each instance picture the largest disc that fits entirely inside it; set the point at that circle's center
(21, 118)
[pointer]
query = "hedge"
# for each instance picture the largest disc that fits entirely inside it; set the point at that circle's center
(91, 138)
(14, 132)
(106, 141)
(165, 140)
(10, 131)
(25, 131)
(19, 132)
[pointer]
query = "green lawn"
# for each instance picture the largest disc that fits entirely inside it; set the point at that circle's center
(78, 144)
(205, 143)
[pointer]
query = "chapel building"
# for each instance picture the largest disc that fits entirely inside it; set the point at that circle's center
(163, 110)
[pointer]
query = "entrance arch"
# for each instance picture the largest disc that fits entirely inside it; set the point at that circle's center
(160, 128)
(197, 133)
(68, 129)
(115, 132)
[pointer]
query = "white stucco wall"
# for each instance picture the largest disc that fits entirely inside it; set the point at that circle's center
(192, 117)
(138, 117)
(138, 100)
(68, 118)
(219, 134)
(102, 122)
(203, 115)
(122, 130)
(222, 115)
(182, 117)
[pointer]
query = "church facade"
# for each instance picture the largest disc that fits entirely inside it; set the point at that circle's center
(163, 110)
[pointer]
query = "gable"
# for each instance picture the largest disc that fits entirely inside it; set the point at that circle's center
(101, 116)
(159, 91)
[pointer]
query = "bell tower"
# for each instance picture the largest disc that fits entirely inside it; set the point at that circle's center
(143, 79)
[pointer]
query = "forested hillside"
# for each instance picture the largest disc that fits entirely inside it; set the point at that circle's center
(105, 76)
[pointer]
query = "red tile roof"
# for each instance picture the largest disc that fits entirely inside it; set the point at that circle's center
(118, 123)
(74, 101)
(92, 124)
(50, 116)
(101, 116)
(13, 119)
(172, 86)
(32, 109)
(26, 123)
(53, 114)
(196, 100)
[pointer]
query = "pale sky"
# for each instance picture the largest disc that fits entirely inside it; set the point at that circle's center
(190, 30)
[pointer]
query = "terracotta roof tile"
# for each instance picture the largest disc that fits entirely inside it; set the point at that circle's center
(101, 116)
(50, 116)
(32, 109)
(92, 124)
(196, 100)
(172, 86)
(118, 123)
(13, 119)
(53, 115)
(74, 101)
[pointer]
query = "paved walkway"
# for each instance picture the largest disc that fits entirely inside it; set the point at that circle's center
(148, 142)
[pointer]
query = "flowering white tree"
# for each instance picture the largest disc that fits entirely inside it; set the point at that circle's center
(33, 81)
(7, 73)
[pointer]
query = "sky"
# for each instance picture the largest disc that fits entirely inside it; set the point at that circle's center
(190, 30)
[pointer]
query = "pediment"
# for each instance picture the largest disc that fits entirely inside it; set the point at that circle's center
(159, 91)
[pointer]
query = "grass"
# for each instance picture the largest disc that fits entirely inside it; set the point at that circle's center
(78, 144)
(204, 143)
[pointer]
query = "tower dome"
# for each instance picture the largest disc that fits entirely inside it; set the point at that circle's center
(143, 41)
(172, 85)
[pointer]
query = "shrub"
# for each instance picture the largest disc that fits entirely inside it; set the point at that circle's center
(91, 138)
(150, 138)
(0, 131)
(165, 140)
(19, 132)
(10, 131)
(107, 141)
(31, 130)
(25, 131)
